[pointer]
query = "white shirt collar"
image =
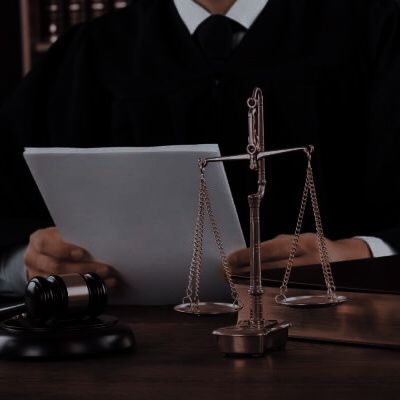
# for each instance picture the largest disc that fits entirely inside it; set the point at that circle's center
(243, 11)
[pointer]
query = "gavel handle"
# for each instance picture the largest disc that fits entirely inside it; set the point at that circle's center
(11, 310)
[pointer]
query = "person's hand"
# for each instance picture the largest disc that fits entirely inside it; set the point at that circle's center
(275, 252)
(48, 254)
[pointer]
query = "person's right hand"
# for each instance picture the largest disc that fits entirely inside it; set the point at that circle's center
(47, 254)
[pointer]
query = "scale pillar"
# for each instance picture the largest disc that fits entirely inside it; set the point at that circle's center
(255, 336)
(256, 290)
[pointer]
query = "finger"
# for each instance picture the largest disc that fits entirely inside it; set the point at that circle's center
(306, 259)
(241, 271)
(51, 266)
(31, 273)
(50, 243)
(245, 269)
(239, 258)
(271, 250)
(111, 284)
(279, 264)
(107, 272)
(42, 263)
(278, 249)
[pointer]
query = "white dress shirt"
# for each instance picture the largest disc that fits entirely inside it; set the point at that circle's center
(245, 12)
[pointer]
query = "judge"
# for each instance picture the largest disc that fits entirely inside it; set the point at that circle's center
(164, 72)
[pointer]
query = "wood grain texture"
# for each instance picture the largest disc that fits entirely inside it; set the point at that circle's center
(365, 319)
(177, 358)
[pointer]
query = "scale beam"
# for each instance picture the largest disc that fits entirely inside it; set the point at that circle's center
(259, 156)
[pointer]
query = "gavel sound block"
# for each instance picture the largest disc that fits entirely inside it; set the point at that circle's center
(62, 318)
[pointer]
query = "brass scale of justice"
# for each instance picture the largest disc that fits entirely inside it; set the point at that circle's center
(256, 335)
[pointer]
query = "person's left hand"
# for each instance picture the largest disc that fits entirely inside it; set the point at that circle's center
(275, 252)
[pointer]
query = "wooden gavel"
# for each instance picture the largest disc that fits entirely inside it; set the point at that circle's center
(60, 297)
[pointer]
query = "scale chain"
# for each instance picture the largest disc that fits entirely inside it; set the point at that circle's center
(192, 291)
(326, 267)
(193, 288)
(218, 241)
(309, 189)
(295, 242)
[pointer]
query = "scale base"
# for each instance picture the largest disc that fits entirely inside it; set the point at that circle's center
(20, 339)
(246, 339)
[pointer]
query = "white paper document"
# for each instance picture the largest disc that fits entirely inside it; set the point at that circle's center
(135, 209)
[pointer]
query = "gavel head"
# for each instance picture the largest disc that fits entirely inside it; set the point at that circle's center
(65, 297)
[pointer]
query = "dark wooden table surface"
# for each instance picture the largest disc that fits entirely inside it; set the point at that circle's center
(369, 319)
(177, 358)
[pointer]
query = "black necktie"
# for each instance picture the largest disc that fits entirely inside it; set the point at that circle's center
(215, 37)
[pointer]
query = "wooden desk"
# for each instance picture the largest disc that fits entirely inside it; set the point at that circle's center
(369, 319)
(177, 358)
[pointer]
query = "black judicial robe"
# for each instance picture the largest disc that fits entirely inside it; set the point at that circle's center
(330, 72)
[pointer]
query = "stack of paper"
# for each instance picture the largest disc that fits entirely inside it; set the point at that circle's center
(135, 209)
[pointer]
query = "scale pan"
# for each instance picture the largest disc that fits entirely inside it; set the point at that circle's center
(208, 308)
(311, 301)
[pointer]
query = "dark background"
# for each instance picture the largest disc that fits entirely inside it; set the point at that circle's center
(10, 48)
